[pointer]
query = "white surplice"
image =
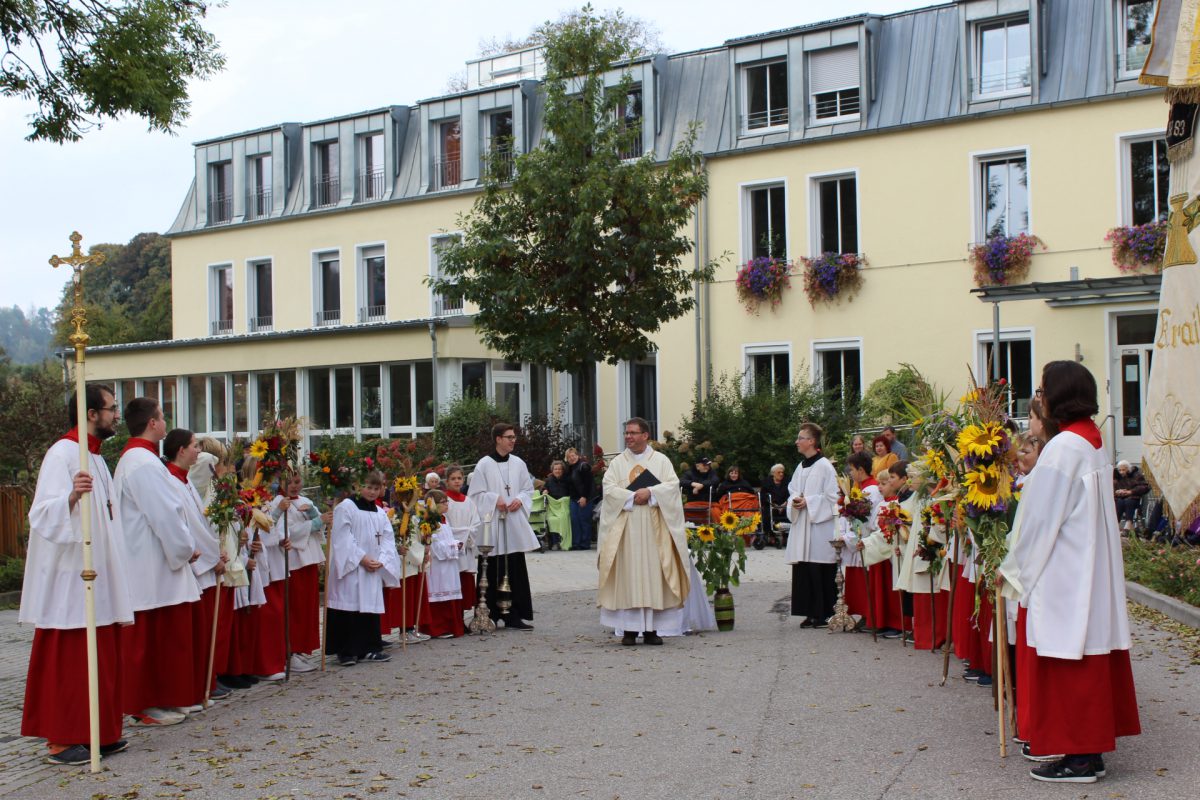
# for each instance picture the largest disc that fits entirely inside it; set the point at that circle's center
(305, 530)
(202, 534)
(505, 480)
(812, 527)
(53, 593)
(444, 583)
(158, 541)
(465, 522)
(358, 533)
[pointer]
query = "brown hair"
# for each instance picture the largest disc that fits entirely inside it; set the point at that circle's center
(436, 495)
(860, 461)
(1037, 410)
(899, 469)
(814, 430)
(138, 413)
(501, 428)
(881, 438)
(1069, 391)
(374, 478)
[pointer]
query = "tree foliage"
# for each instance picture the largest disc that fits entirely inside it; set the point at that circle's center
(463, 435)
(32, 416)
(128, 297)
(890, 399)
(581, 257)
(643, 37)
(84, 62)
(26, 338)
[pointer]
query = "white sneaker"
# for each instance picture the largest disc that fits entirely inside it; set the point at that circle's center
(301, 664)
(152, 717)
(416, 637)
(278, 676)
(188, 709)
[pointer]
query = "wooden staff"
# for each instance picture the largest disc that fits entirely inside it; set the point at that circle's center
(287, 595)
(325, 595)
(1002, 676)
(79, 338)
(950, 612)
(403, 574)
(212, 644)
(932, 613)
(420, 600)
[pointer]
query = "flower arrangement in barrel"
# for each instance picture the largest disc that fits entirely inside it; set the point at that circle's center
(830, 277)
(720, 549)
(762, 280)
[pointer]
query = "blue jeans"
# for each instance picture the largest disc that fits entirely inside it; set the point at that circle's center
(581, 526)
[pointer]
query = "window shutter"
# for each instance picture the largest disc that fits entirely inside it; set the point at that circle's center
(832, 69)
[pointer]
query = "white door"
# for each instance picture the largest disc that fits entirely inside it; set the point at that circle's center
(1132, 360)
(508, 391)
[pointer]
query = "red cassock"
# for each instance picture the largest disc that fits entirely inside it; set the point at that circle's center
(1069, 706)
(468, 589)
(304, 604)
(225, 619)
(268, 655)
(444, 617)
(202, 620)
(856, 590)
(160, 662)
(923, 620)
(56, 691)
(981, 652)
(242, 641)
(885, 600)
(964, 609)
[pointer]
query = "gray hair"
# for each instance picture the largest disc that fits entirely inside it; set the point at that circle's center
(779, 467)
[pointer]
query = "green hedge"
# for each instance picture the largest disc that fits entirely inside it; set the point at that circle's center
(12, 574)
(1170, 570)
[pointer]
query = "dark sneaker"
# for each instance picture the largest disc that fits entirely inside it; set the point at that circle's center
(629, 639)
(73, 756)
(116, 747)
(890, 633)
(378, 655)
(219, 693)
(1066, 770)
(972, 675)
(517, 624)
(1029, 755)
(651, 637)
(347, 661)
(984, 680)
(1098, 766)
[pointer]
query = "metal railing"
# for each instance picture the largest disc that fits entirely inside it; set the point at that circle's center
(499, 163)
(220, 209)
(1130, 62)
(370, 184)
(258, 203)
(222, 326)
(264, 323)
(325, 317)
(372, 313)
(769, 118)
(830, 105)
(1015, 80)
(632, 147)
(447, 172)
(326, 191)
(445, 307)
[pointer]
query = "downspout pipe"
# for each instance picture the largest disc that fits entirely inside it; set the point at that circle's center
(434, 356)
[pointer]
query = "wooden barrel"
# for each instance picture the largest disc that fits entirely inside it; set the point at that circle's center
(723, 606)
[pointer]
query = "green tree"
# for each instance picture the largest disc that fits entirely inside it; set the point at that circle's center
(892, 399)
(128, 297)
(27, 338)
(32, 416)
(581, 256)
(84, 62)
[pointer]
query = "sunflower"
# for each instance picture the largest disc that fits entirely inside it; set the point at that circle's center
(855, 494)
(426, 529)
(705, 533)
(935, 463)
(756, 520)
(987, 486)
(729, 520)
(258, 449)
(980, 440)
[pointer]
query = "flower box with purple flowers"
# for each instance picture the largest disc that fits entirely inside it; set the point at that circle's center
(1003, 260)
(1138, 247)
(763, 279)
(832, 276)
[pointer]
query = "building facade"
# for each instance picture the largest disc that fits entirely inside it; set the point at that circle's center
(300, 255)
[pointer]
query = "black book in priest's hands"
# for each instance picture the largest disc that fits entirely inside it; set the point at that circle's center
(643, 481)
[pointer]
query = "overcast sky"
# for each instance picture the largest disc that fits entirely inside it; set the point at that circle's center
(294, 61)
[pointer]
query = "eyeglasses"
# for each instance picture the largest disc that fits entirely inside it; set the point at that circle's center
(1037, 392)
(114, 409)
(509, 436)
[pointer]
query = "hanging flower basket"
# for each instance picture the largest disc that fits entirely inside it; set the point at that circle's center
(762, 280)
(1003, 260)
(1138, 247)
(831, 276)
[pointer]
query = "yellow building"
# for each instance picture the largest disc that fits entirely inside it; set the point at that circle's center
(300, 254)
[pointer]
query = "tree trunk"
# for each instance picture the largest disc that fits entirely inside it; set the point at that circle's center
(587, 393)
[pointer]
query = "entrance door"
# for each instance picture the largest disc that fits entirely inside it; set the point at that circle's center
(508, 381)
(1132, 362)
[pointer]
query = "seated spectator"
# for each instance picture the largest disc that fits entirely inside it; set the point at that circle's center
(556, 484)
(699, 481)
(734, 482)
(775, 495)
(432, 481)
(884, 457)
(1129, 487)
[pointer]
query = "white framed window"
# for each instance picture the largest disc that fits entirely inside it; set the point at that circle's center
(1002, 58)
(629, 118)
(408, 398)
(260, 295)
(835, 213)
(833, 85)
(637, 391)
(274, 396)
(499, 146)
(1001, 182)
(1016, 364)
(1145, 175)
(1135, 18)
(767, 365)
(220, 298)
(370, 166)
(837, 367)
(327, 288)
(372, 282)
(442, 306)
(447, 157)
(764, 220)
(259, 194)
(220, 193)
(764, 96)
(327, 174)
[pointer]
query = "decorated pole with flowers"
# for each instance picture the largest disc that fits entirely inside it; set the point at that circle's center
(894, 524)
(404, 485)
(335, 477)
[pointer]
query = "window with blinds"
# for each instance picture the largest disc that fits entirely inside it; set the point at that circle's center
(833, 82)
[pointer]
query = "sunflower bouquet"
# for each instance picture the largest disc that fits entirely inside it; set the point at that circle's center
(276, 448)
(720, 549)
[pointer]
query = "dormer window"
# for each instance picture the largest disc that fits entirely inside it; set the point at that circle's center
(833, 81)
(258, 187)
(629, 119)
(765, 96)
(1135, 19)
(1002, 58)
(220, 193)
(499, 152)
(327, 183)
(447, 162)
(371, 171)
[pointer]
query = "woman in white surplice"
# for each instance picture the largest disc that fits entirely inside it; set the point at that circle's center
(811, 510)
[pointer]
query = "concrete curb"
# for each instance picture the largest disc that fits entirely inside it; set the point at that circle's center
(10, 598)
(1175, 609)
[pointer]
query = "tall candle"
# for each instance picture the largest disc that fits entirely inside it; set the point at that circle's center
(487, 530)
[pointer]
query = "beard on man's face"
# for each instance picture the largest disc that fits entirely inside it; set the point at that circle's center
(105, 433)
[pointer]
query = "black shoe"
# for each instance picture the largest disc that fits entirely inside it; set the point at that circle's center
(378, 655)
(629, 639)
(115, 747)
(73, 756)
(1071, 769)
(890, 633)
(1098, 765)
(517, 624)
(347, 661)
(651, 637)
(249, 679)
(232, 682)
(1029, 755)
(809, 622)
(984, 680)
(219, 693)
(972, 675)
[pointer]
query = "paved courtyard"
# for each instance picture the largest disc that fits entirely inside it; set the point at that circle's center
(766, 711)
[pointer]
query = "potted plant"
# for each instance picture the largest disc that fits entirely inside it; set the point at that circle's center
(1003, 260)
(720, 553)
(832, 276)
(1138, 247)
(762, 280)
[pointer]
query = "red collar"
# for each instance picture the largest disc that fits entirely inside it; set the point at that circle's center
(93, 444)
(457, 497)
(137, 441)
(868, 482)
(1087, 429)
(891, 498)
(178, 472)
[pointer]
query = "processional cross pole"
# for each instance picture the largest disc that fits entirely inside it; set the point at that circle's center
(77, 261)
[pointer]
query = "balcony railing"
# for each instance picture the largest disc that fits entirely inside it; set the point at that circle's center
(327, 191)
(222, 326)
(445, 307)
(499, 161)
(332, 316)
(832, 105)
(258, 324)
(1130, 62)
(447, 172)
(768, 118)
(632, 147)
(1015, 80)
(258, 203)
(220, 209)
(372, 313)
(370, 185)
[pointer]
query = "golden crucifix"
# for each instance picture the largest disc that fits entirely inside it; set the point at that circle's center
(79, 338)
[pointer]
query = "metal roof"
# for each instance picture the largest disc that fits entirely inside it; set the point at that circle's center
(1084, 292)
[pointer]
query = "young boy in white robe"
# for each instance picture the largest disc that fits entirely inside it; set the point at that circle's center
(464, 520)
(444, 586)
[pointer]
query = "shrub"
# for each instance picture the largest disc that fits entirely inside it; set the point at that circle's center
(12, 574)
(887, 401)
(463, 435)
(1171, 570)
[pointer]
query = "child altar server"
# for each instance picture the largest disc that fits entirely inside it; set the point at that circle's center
(444, 585)
(464, 520)
(305, 530)
(852, 565)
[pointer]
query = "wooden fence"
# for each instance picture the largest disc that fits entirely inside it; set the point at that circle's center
(13, 511)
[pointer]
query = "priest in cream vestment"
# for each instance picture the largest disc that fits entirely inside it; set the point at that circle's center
(643, 547)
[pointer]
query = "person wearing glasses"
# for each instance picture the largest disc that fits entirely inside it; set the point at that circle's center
(52, 599)
(812, 506)
(502, 491)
